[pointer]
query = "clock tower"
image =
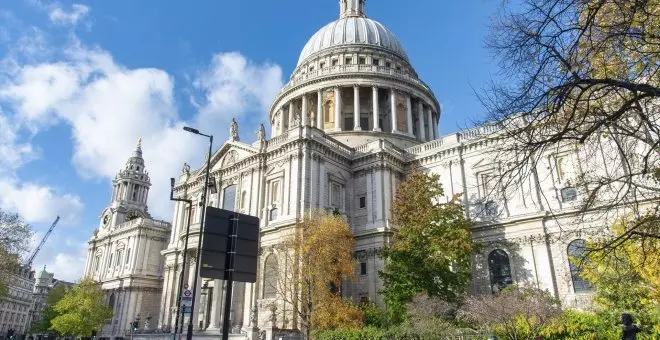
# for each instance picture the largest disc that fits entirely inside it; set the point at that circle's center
(130, 190)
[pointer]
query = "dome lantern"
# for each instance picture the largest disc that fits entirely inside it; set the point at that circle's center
(351, 8)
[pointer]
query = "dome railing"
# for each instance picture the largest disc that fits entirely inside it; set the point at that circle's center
(361, 69)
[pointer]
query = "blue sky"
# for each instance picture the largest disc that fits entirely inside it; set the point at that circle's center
(81, 81)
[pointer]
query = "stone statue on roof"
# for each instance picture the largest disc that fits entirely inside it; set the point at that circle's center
(233, 131)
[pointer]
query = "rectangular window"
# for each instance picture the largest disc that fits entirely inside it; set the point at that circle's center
(275, 192)
(119, 258)
(348, 61)
(375, 61)
(363, 202)
(362, 60)
(363, 268)
(335, 62)
(334, 195)
(128, 256)
(110, 261)
(388, 64)
(322, 64)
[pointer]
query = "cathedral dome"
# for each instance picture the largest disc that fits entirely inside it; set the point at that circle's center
(353, 31)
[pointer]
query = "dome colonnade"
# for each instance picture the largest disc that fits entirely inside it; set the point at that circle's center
(354, 75)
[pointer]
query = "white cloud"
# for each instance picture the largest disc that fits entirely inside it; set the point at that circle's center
(38, 203)
(59, 15)
(69, 265)
(109, 107)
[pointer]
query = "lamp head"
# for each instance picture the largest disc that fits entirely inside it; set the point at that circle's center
(189, 129)
(172, 182)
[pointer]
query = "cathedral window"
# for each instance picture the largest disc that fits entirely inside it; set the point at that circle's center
(490, 209)
(322, 64)
(274, 213)
(500, 270)
(363, 268)
(97, 262)
(388, 64)
(243, 199)
(362, 60)
(270, 277)
(334, 62)
(375, 61)
(120, 254)
(363, 202)
(576, 250)
(568, 194)
(335, 192)
(348, 61)
(229, 198)
(275, 192)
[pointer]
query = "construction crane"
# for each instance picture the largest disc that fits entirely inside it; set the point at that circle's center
(41, 244)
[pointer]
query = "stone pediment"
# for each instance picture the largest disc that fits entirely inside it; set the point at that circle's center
(230, 153)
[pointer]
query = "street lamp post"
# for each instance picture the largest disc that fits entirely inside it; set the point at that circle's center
(183, 265)
(201, 229)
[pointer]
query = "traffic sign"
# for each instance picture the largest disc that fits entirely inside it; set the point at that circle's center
(222, 230)
(187, 293)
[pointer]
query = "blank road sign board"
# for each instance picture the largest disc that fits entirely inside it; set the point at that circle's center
(215, 245)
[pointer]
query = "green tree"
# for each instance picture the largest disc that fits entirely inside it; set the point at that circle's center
(430, 249)
(81, 310)
(14, 241)
(626, 277)
(54, 296)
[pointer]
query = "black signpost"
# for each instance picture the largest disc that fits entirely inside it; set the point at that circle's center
(230, 250)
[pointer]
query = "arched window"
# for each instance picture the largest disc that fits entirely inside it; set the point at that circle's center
(229, 198)
(500, 269)
(576, 250)
(270, 277)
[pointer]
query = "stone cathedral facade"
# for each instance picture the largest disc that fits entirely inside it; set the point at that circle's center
(345, 131)
(124, 252)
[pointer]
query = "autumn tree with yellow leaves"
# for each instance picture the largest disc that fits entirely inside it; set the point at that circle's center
(582, 77)
(314, 261)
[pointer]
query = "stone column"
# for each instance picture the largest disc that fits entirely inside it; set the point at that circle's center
(409, 115)
(430, 120)
(304, 113)
(435, 127)
(375, 108)
(338, 108)
(319, 110)
(356, 108)
(281, 118)
(393, 111)
(290, 114)
(420, 121)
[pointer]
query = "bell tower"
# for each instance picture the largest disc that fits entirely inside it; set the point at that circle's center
(130, 190)
(351, 8)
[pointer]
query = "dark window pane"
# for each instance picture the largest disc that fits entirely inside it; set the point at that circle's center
(576, 250)
(363, 268)
(568, 194)
(500, 269)
(229, 198)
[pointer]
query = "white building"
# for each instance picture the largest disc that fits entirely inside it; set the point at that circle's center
(124, 253)
(15, 307)
(45, 282)
(346, 130)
